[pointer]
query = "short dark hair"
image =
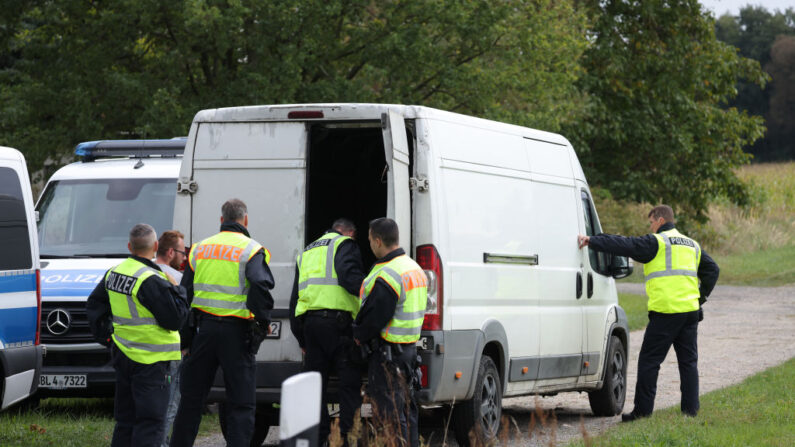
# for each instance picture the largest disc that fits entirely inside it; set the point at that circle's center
(234, 210)
(385, 229)
(169, 239)
(664, 211)
(343, 224)
(142, 237)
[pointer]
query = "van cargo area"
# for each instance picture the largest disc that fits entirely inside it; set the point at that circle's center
(346, 178)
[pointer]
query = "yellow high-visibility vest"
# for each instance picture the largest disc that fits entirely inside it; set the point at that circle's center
(318, 284)
(672, 276)
(219, 263)
(135, 330)
(410, 284)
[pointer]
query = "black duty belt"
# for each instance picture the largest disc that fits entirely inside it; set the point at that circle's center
(328, 313)
(204, 316)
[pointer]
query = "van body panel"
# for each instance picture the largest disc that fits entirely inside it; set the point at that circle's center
(20, 352)
(500, 203)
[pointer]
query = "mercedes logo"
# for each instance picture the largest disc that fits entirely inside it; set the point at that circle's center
(58, 321)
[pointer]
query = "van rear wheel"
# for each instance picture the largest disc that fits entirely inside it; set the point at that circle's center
(480, 415)
(609, 401)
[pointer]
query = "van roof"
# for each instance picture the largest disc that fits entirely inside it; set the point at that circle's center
(353, 111)
(120, 168)
(9, 153)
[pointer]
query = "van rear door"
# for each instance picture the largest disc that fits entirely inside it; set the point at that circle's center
(397, 155)
(264, 165)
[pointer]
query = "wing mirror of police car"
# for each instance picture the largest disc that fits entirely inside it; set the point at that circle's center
(620, 266)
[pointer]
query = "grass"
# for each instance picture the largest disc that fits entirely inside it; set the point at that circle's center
(768, 267)
(69, 422)
(760, 411)
(753, 245)
(635, 307)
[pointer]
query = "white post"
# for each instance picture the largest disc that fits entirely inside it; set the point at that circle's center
(299, 417)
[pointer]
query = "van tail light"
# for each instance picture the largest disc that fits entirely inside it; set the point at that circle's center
(428, 258)
(424, 380)
(305, 114)
(38, 307)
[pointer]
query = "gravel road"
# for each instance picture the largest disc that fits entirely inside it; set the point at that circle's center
(745, 331)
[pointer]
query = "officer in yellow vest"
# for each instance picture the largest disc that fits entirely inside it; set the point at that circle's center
(137, 312)
(679, 278)
(324, 302)
(394, 296)
(228, 285)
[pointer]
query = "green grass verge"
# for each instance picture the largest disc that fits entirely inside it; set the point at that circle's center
(69, 422)
(758, 411)
(635, 307)
(770, 267)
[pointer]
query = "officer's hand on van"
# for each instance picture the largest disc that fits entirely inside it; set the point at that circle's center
(583, 241)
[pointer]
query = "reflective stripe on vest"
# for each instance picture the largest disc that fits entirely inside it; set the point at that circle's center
(672, 276)
(219, 263)
(410, 283)
(135, 330)
(318, 284)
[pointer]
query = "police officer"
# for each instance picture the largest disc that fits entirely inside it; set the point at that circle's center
(322, 307)
(394, 296)
(679, 278)
(137, 308)
(228, 285)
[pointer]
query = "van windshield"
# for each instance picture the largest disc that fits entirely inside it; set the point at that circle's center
(93, 218)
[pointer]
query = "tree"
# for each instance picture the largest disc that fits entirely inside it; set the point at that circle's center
(143, 68)
(781, 67)
(655, 129)
(753, 32)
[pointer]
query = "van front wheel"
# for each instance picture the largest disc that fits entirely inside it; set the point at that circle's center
(609, 401)
(481, 415)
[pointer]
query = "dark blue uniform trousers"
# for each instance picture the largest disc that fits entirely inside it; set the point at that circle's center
(223, 342)
(681, 330)
(389, 387)
(141, 401)
(328, 339)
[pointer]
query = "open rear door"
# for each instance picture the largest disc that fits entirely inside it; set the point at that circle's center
(397, 157)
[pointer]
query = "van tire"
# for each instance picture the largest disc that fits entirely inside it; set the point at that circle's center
(261, 424)
(480, 415)
(609, 400)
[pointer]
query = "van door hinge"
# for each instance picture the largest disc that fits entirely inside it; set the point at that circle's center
(420, 183)
(189, 187)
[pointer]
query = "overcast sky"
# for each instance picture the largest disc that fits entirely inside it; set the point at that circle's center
(720, 7)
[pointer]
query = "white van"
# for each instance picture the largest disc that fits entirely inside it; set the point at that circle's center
(86, 211)
(20, 300)
(490, 210)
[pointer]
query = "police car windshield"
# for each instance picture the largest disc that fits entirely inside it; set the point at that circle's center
(93, 218)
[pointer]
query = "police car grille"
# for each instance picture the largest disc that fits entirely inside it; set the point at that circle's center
(77, 332)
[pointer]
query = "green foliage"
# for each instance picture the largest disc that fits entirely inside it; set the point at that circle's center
(758, 411)
(655, 130)
(80, 70)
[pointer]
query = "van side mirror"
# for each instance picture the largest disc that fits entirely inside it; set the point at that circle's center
(620, 266)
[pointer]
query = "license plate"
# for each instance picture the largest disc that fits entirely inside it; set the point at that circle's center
(62, 381)
(276, 330)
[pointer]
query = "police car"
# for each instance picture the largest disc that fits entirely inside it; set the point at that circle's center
(86, 211)
(20, 351)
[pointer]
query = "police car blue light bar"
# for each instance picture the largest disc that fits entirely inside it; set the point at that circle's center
(92, 150)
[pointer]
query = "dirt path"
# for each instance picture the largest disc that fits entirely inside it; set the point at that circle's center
(745, 330)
